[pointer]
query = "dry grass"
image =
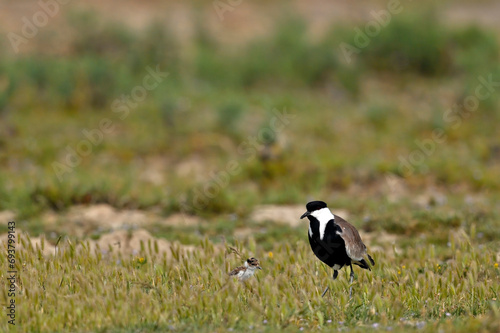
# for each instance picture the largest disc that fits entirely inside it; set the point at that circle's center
(453, 289)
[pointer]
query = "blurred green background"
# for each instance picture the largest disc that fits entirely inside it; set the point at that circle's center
(382, 133)
(139, 140)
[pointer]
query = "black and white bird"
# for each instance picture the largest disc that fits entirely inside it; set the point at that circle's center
(335, 241)
(245, 272)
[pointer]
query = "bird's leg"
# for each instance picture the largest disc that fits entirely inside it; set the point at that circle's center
(352, 278)
(335, 274)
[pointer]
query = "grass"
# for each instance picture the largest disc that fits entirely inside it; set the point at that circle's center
(451, 288)
(351, 126)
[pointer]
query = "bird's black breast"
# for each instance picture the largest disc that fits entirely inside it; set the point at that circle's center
(330, 249)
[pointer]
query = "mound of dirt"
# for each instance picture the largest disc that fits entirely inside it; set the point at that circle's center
(7, 215)
(181, 220)
(285, 214)
(104, 217)
(83, 220)
(131, 243)
(35, 243)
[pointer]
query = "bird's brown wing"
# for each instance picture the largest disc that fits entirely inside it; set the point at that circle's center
(354, 246)
(237, 270)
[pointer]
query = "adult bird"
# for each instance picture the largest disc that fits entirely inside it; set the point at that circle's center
(335, 241)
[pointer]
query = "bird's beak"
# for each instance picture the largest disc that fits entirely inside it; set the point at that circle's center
(304, 215)
(259, 267)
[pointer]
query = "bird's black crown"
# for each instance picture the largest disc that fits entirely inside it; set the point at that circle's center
(315, 205)
(252, 261)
